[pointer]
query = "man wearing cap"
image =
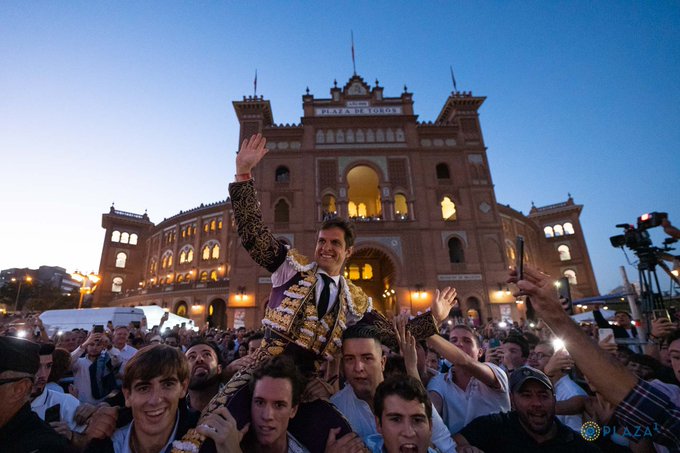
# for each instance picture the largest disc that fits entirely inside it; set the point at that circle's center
(21, 430)
(531, 426)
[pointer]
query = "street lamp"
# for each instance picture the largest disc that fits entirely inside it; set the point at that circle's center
(28, 279)
(88, 283)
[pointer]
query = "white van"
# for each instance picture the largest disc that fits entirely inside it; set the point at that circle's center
(86, 318)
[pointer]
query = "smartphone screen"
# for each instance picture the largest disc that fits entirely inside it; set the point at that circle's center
(53, 414)
(659, 314)
(604, 333)
(98, 328)
(136, 324)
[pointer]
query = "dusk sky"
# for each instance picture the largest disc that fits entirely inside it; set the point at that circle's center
(130, 102)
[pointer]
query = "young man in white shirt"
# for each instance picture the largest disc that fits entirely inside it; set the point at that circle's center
(471, 388)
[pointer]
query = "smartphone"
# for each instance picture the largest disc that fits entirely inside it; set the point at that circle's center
(519, 257)
(494, 343)
(564, 293)
(53, 414)
(660, 314)
(603, 333)
(136, 324)
(98, 328)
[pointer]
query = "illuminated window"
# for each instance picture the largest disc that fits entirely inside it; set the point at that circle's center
(204, 276)
(456, 253)
(215, 252)
(186, 255)
(206, 253)
(117, 285)
(448, 209)
(328, 204)
(568, 228)
(282, 174)
(213, 225)
(400, 207)
(115, 236)
(125, 238)
(443, 171)
(190, 255)
(558, 230)
(170, 260)
(181, 309)
(206, 227)
(571, 276)
(182, 257)
(219, 223)
(213, 276)
(188, 276)
(133, 239)
(184, 232)
(166, 261)
(154, 266)
(366, 272)
(354, 272)
(563, 250)
(510, 252)
(548, 231)
(352, 209)
(121, 258)
(180, 278)
(281, 212)
(364, 192)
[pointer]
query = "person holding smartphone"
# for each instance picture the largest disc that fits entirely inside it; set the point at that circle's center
(88, 376)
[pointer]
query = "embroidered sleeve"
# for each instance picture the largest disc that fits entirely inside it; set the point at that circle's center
(422, 326)
(256, 238)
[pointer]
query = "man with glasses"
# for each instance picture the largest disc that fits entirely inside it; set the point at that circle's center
(21, 430)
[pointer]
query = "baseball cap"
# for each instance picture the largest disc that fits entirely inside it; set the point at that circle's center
(523, 374)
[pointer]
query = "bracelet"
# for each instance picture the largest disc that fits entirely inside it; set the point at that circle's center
(243, 177)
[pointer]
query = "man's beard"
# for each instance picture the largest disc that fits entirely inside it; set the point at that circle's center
(203, 382)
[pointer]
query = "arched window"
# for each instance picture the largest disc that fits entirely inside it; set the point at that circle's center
(125, 238)
(443, 171)
(352, 209)
(182, 257)
(121, 258)
(115, 236)
(206, 253)
(219, 223)
(282, 174)
(568, 228)
(510, 252)
(133, 238)
(186, 255)
(206, 227)
(215, 254)
(328, 204)
(400, 206)
(281, 211)
(154, 266)
(563, 250)
(213, 225)
(548, 231)
(571, 276)
(204, 276)
(558, 230)
(117, 285)
(213, 276)
(354, 272)
(364, 192)
(448, 209)
(181, 309)
(190, 255)
(180, 278)
(456, 253)
(366, 272)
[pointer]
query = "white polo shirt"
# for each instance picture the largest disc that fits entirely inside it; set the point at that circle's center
(67, 410)
(461, 406)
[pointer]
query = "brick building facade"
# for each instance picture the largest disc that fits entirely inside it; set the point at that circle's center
(421, 195)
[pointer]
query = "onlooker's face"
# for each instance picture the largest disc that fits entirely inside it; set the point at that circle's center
(674, 355)
(96, 347)
(363, 365)
(404, 425)
(120, 337)
(535, 406)
(42, 375)
(204, 365)
(271, 409)
(640, 370)
(512, 356)
(253, 345)
(171, 341)
(466, 341)
(154, 404)
(623, 320)
(540, 356)
(432, 360)
(69, 341)
(331, 250)
(242, 350)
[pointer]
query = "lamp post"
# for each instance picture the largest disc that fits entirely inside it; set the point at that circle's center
(88, 283)
(28, 279)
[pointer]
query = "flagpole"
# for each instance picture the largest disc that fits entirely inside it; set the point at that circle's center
(453, 79)
(354, 65)
(255, 85)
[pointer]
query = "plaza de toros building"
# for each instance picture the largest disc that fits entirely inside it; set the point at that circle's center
(420, 192)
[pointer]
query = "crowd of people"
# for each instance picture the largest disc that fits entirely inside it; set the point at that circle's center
(326, 373)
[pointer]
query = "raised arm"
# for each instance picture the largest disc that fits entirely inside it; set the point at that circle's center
(610, 378)
(256, 238)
